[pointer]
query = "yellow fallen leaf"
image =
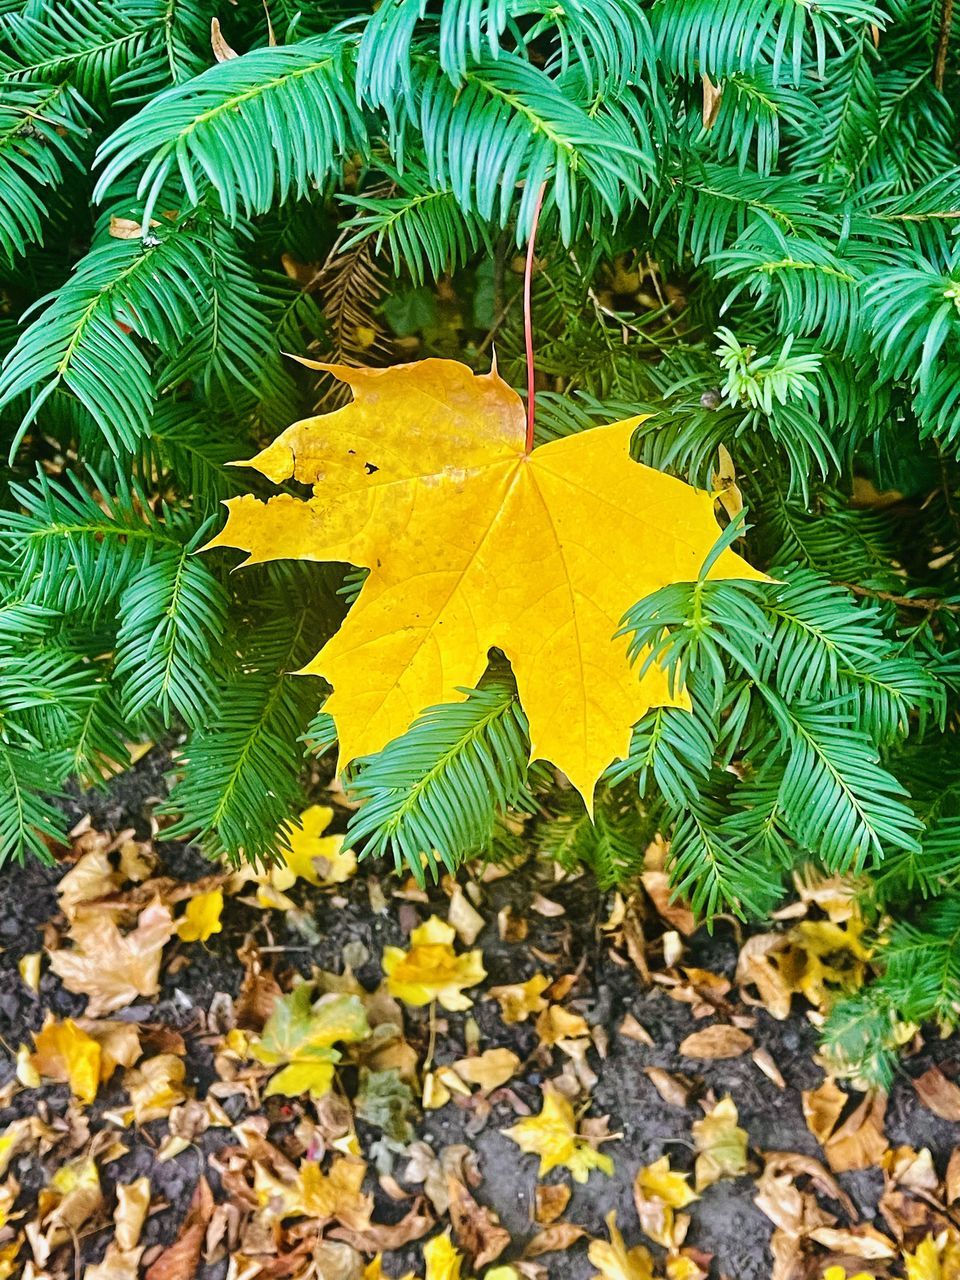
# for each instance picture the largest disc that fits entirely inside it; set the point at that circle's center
(9, 1266)
(935, 1258)
(133, 1201)
(63, 1052)
(431, 969)
(552, 1135)
(658, 1191)
(299, 1037)
(28, 967)
(443, 1261)
(424, 480)
(112, 968)
(156, 1087)
(615, 1261)
(717, 1041)
(27, 1073)
(517, 1000)
(720, 1144)
(14, 1136)
(840, 1273)
(464, 917)
(202, 917)
(318, 1195)
(556, 1024)
(490, 1069)
(312, 856)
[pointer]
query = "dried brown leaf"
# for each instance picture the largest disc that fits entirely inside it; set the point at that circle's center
(476, 1228)
(938, 1094)
(550, 1200)
(717, 1041)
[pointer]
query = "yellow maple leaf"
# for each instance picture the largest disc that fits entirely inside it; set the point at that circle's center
(82, 1056)
(840, 1273)
(935, 1258)
(615, 1260)
(63, 1052)
(318, 1195)
(312, 856)
(552, 1135)
(431, 969)
(299, 1037)
(720, 1144)
(442, 1259)
(517, 1000)
(202, 917)
(471, 543)
(658, 1191)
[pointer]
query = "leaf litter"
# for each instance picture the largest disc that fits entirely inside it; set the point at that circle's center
(506, 1078)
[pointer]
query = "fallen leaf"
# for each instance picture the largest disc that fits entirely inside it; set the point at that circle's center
(674, 1091)
(938, 1094)
(63, 1052)
(467, 921)
(133, 1201)
(720, 1144)
(424, 479)
(658, 1191)
(112, 968)
(312, 855)
(550, 1200)
(431, 969)
(442, 1260)
(769, 1068)
(156, 1087)
(935, 1258)
(673, 909)
(13, 1138)
(476, 1227)
(378, 1235)
(552, 1135)
(951, 1181)
(557, 1237)
(860, 1140)
(180, 1260)
(28, 967)
(489, 1069)
(615, 1261)
(822, 1108)
(555, 1024)
(299, 1037)
(201, 918)
(322, 1196)
(634, 1030)
(385, 1099)
(861, 1241)
(716, 1041)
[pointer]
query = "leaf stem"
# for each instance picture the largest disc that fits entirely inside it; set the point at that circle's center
(527, 318)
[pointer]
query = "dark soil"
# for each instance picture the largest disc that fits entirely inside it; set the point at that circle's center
(725, 1220)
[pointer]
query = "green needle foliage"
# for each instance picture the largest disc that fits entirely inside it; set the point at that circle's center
(748, 231)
